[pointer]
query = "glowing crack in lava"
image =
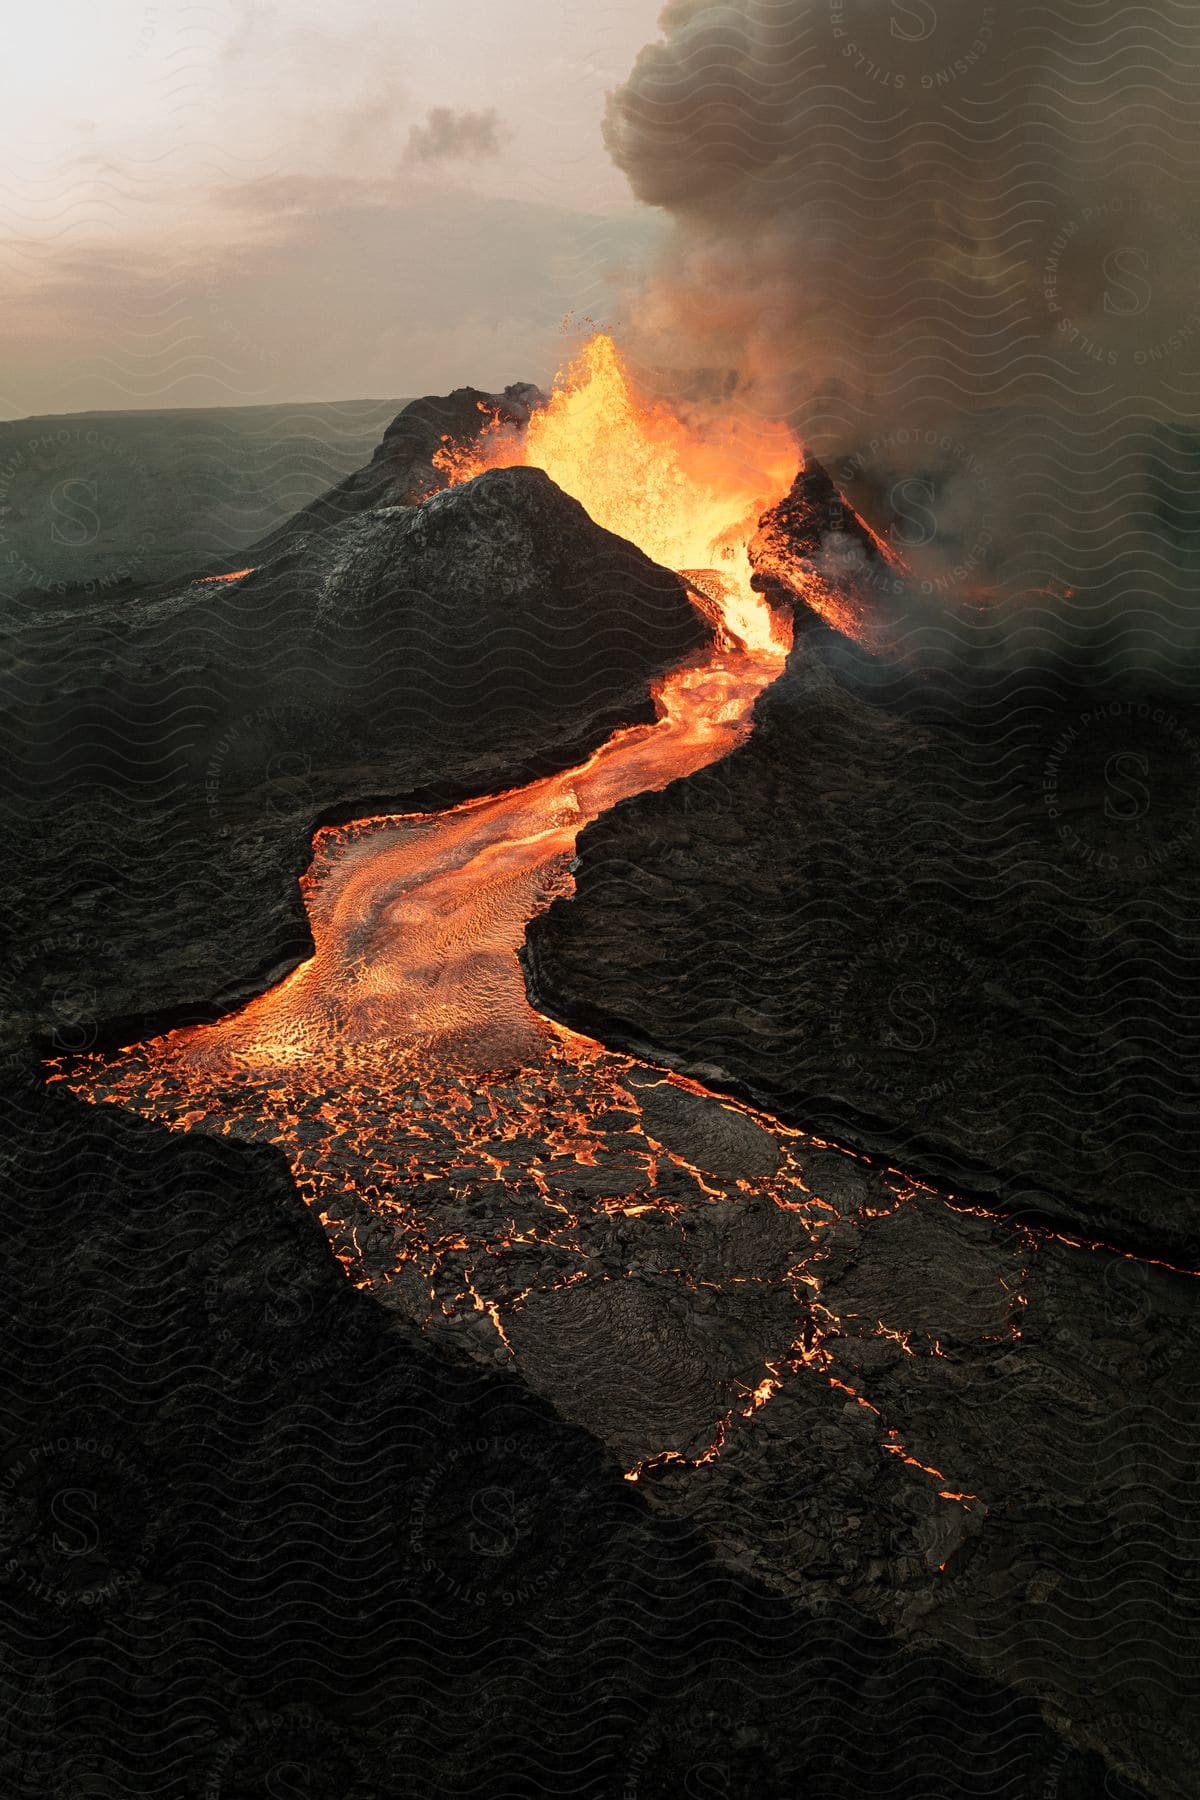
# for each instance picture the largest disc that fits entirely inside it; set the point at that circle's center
(483, 1168)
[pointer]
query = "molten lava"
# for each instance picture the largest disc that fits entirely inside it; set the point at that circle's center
(468, 1157)
(689, 495)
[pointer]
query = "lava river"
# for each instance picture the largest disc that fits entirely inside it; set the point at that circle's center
(649, 1254)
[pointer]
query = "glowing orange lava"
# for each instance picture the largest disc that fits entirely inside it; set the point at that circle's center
(468, 1157)
(689, 494)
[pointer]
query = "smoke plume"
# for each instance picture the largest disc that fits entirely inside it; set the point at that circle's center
(956, 244)
(449, 135)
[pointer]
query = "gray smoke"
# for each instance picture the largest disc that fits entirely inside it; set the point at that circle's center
(956, 244)
(447, 134)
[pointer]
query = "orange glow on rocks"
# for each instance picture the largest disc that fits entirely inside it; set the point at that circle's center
(473, 1162)
(689, 494)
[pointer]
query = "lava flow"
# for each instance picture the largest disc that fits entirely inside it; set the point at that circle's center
(477, 1164)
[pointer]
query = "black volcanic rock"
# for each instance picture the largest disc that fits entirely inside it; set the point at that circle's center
(812, 518)
(402, 471)
(259, 1538)
(479, 628)
(332, 1556)
(957, 923)
(168, 755)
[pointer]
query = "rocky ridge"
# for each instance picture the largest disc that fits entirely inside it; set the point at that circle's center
(168, 755)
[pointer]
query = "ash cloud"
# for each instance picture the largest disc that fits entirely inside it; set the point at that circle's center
(957, 244)
(447, 134)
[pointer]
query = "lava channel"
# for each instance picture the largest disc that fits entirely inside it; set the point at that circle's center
(469, 1158)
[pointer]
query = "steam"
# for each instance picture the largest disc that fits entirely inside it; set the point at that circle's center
(955, 244)
(447, 135)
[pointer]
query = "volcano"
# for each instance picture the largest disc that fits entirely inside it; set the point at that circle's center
(598, 771)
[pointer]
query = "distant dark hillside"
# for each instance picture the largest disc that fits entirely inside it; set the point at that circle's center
(103, 497)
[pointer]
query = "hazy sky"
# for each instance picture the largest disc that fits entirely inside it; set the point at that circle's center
(222, 202)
